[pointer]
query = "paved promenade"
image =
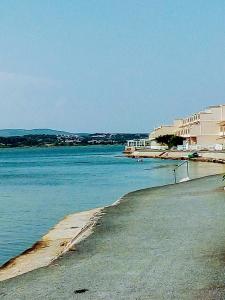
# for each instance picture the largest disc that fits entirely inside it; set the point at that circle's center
(160, 243)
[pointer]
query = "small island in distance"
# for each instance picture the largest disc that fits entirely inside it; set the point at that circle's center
(10, 138)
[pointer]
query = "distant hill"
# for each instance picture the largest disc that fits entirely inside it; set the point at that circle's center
(22, 132)
(14, 138)
(118, 137)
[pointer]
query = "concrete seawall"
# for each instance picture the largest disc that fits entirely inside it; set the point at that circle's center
(158, 243)
(60, 239)
(205, 156)
(76, 227)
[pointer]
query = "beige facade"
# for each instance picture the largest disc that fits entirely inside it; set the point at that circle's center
(204, 128)
(164, 130)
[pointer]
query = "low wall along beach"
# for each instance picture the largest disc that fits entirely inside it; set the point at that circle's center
(204, 156)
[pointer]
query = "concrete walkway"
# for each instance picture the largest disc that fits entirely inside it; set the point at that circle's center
(160, 243)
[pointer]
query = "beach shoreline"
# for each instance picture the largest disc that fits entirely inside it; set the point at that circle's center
(138, 249)
(204, 156)
(64, 237)
(60, 239)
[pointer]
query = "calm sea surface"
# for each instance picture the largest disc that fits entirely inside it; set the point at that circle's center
(39, 186)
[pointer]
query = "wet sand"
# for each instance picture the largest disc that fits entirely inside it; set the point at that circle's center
(159, 243)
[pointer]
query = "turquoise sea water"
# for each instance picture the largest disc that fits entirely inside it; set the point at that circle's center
(39, 186)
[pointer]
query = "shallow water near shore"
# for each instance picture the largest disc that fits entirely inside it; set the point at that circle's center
(158, 243)
(39, 186)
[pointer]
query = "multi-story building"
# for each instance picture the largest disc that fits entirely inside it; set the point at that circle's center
(206, 128)
(164, 130)
(202, 130)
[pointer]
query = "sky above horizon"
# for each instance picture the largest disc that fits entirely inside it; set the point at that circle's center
(109, 66)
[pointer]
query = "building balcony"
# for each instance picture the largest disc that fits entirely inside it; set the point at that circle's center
(185, 135)
(190, 123)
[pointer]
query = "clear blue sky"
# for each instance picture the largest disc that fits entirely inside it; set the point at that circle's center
(109, 65)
